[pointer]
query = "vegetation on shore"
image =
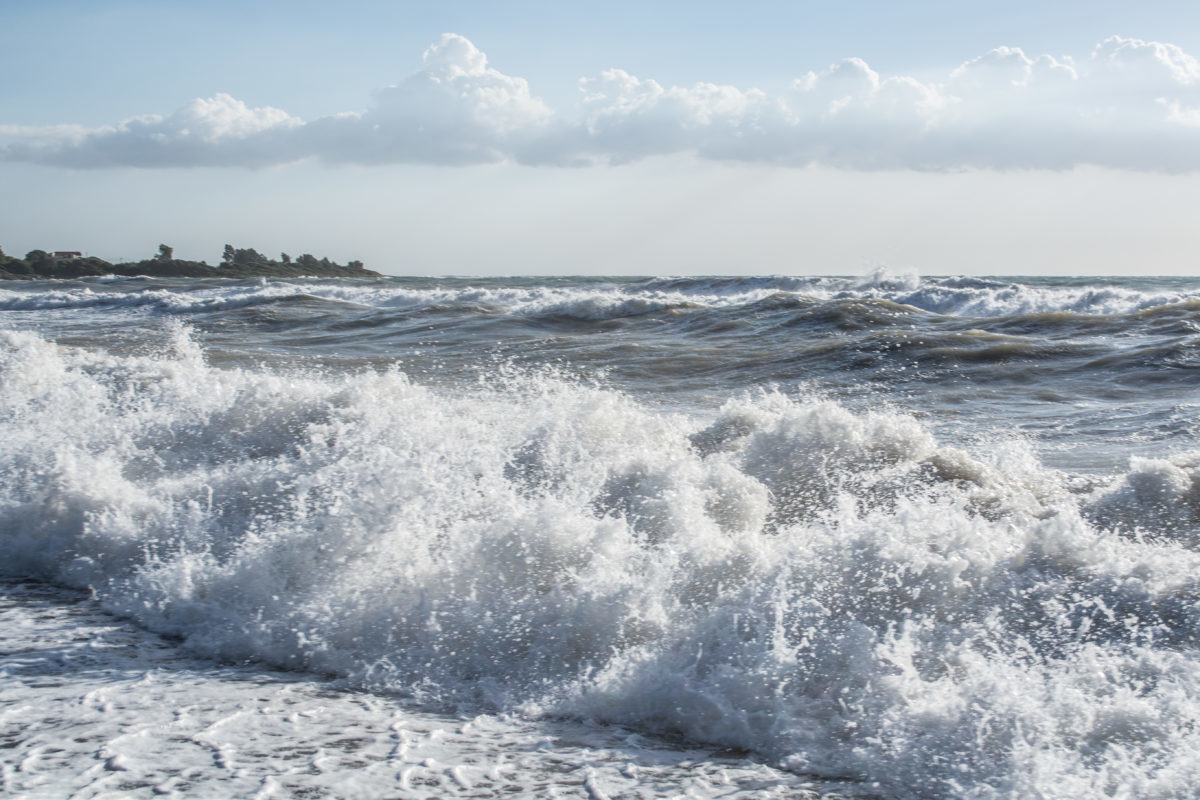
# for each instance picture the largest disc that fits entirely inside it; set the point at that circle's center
(235, 263)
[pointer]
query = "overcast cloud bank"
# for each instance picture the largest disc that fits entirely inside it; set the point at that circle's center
(1131, 104)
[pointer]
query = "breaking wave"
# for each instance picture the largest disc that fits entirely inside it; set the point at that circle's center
(839, 591)
(596, 299)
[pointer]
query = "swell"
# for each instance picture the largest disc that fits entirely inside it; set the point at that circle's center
(192, 298)
(683, 339)
(602, 299)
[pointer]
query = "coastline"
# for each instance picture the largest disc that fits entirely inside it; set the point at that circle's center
(69, 271)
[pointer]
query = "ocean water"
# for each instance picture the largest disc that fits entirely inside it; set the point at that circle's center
(888, 537)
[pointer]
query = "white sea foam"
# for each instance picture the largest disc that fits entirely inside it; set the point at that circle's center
(1158, 497)
(841, 592)
(947, 296)
(94, 707)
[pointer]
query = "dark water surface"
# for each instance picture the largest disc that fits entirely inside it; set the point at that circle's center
(1107, 367)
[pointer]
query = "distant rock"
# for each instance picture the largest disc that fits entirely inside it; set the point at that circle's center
(238, 264)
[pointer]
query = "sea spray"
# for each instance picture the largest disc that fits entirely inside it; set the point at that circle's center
(835, 590)
(600, 299)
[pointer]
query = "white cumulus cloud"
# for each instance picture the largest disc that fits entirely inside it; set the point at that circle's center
(456, 110)
(626, 118)
(1147, 62)
(1129, 104)
(215, 131)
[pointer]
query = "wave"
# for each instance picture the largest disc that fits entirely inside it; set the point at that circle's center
(838, 591)
(165, 301)
(596, 300)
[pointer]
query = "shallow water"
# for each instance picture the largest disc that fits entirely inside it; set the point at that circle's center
(931, 537)
(96, 707)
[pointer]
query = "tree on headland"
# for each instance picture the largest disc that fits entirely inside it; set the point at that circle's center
(237, 262)
(248, 256)
(39, 259)
(8, 263)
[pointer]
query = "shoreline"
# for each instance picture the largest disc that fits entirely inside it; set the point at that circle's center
(98, 704)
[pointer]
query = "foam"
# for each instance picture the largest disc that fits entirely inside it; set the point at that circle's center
(841, 592)
(1158, 497)
(614, 300)
(97, 707)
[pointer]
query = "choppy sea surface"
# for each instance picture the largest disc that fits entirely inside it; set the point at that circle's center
(887, 537)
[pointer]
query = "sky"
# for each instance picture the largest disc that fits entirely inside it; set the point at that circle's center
(483, 138)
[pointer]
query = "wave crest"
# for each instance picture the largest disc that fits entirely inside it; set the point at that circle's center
(839, 591)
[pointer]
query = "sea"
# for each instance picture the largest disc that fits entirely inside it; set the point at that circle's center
(886, 536)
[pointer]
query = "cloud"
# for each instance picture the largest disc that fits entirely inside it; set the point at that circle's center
(1131, 104)
(217, 131)
(1176, 113)
(1147, 63)
(626, 118)
(456, 110)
